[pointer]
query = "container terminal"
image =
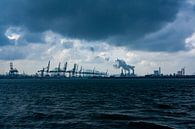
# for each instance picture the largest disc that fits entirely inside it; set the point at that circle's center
(127, 71)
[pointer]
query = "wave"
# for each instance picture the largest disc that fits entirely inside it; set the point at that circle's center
(104, 116)
(146, 125)
(49, 116)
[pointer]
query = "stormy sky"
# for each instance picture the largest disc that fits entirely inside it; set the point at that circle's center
(146, 34)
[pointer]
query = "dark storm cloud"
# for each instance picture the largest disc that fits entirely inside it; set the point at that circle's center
(121, 21)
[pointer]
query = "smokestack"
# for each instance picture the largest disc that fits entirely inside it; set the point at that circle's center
(183, 71)
(59, 67)
(122, 74)
(159, 71)
(48, 66)
(65, 66)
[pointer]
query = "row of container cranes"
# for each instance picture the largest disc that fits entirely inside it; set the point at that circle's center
(76, 71)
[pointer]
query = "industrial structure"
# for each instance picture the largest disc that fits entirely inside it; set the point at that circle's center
(157, 72)
(74, 72)
(13, 71)
(181, 72)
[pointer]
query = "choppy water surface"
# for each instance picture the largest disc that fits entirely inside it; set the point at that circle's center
(97, 104)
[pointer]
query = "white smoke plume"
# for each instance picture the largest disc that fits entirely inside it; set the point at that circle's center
(122, 64)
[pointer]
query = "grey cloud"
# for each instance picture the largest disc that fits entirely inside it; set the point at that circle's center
(172, 37)
(122, 21)
(3, 39)
(11, 53)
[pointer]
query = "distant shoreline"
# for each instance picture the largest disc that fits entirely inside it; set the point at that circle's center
(99, 78)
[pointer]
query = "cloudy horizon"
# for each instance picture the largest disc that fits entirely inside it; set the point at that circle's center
(147, 35)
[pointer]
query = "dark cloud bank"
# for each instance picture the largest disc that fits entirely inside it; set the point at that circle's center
(119, 22)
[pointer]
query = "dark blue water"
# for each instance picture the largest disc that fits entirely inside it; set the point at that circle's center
(97, 104)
